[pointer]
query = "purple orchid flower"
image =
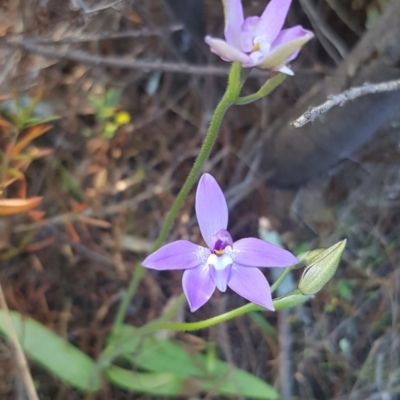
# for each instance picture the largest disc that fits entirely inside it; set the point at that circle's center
(259, 41)
(223, 263)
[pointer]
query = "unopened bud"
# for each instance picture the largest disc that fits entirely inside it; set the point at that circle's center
(278, 57)
(290, 300)
(323, 266)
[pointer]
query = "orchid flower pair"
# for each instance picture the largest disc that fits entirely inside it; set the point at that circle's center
(223, 263)
(259, 41)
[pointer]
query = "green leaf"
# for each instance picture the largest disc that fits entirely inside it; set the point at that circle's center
(32, 121)
(96, 102)
(163, 356)
(163, 384)
(263, 324)
(112, 97)
(70, 182)
(53, 353)
(109, 130)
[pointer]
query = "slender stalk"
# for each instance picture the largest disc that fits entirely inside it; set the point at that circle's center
(194, 174)
(194, 326)
(235, 83)
(289, 301)
(19, 353)
(283, 275)
(119, 344)
(265, 89)
(126, 299)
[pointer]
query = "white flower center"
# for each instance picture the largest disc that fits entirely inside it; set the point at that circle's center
(260, 44)
(220, 268)
(219, 262)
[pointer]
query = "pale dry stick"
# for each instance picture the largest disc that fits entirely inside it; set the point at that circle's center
(79, 4)
(83, 57)
(342, 98)
(120, 62)
(19, 354)
(146, 32)
(327, 36)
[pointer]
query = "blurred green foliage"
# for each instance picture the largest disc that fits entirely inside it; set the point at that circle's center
(106, 112)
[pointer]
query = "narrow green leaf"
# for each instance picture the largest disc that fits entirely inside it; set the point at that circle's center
(259, 320)
(163, 384)
(70, 182)
(163, 356)
(53, 353)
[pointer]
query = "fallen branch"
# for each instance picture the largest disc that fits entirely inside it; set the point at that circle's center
(57, 50)
(342, 98)
(120, 62)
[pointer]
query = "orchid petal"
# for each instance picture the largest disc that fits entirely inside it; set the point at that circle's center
(248, 34)
(273, 18)
(198, 286)
(220, 270)
(226, 51)
(181, 254)
(251, 284)
(287, 35)
(252, 252)
(221, 240)
(233, 12)
(211, 209)
(256, 57)
(282, 53)
(221, 277)
(286, 70)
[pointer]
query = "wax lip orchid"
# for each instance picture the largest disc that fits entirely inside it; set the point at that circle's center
(259, 41)
(223, 263)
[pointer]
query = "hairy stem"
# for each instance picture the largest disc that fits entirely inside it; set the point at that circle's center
(235, 83)
(265, 89)
(120, 343)
(293, 299)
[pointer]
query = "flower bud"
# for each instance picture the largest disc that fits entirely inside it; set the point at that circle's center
(323, 266)
(278, 57)
(290, 300)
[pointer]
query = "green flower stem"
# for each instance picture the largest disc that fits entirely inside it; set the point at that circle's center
(235, 83)
(293, 299)
(229, 98)
(266, 89)
(120, 343)
(289, 301)
(281, 278)
(126, 299)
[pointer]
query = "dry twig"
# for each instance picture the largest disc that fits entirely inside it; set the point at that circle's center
(342, 98)
(135, 33)
(57, 50)
(121, 62)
